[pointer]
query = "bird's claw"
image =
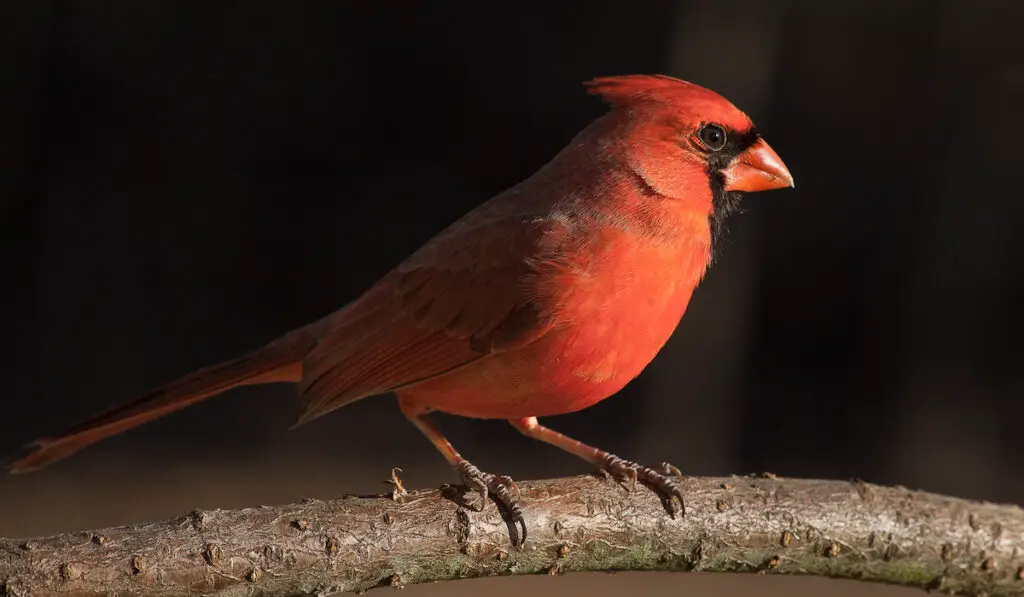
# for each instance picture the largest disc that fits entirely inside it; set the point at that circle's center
(667, 468)
(398, 493)
(668, 489)
(503, 490)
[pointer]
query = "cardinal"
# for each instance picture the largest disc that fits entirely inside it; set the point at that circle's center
(544, 300)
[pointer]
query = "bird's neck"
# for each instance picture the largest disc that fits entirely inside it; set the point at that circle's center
(617, 198)
(590, 182)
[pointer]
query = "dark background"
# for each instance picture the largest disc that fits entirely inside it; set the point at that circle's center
(183, 181)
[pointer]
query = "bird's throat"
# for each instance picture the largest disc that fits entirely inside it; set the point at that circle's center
(723, 205)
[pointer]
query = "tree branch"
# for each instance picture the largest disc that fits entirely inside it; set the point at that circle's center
(736, 524)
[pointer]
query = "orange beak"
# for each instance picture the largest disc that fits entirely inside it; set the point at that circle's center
(758, 168)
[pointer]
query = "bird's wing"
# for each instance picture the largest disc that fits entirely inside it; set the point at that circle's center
(463, 297)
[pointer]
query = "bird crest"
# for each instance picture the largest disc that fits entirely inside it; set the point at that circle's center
(627, 89)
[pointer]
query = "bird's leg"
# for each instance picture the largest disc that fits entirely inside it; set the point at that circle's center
(668, 488)
(501, 487)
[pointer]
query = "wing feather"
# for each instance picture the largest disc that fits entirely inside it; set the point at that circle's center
(463, 297)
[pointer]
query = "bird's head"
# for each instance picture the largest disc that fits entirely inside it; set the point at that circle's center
(688, 142)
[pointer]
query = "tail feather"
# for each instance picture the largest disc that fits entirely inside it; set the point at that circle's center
(280, 361)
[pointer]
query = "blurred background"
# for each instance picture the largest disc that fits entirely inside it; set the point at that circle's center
(183, 181)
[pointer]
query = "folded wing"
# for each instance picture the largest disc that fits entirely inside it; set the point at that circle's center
(464, 296)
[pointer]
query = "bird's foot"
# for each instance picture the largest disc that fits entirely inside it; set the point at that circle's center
(503, 490)
(667, 488)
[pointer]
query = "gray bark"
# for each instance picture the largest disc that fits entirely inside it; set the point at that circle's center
(736, 524)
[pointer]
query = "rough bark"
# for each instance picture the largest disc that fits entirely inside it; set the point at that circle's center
(736, 524)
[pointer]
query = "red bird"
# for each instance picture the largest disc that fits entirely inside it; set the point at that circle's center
(546, 299)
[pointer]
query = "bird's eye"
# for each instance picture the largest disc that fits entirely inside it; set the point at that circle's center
(712, 136)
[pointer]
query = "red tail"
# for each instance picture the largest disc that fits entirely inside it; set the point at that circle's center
(279, 361)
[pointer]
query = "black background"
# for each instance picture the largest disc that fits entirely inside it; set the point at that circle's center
(183, 181)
